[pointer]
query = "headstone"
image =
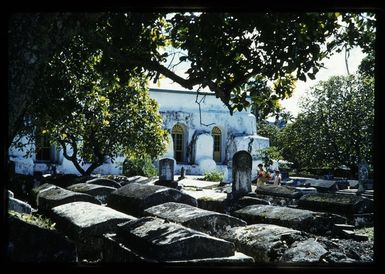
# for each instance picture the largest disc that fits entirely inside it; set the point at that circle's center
(363, 173)
(166, 170)
(166, 173)
(242, 165)
(182, 174)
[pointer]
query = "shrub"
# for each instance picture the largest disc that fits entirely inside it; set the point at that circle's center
(213, 176)
(139, 166)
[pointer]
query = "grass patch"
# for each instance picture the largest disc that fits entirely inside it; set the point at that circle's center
(213, 176)
(37, 220)
(368, 231)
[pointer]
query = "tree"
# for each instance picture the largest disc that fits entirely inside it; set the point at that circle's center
(93, 117)
(336, 127)
(270, 131)
(248, 48)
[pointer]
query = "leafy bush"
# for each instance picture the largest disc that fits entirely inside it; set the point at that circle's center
(213, 176)
(139, 166)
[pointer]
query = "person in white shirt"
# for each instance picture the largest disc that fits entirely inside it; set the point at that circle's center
(277, 178)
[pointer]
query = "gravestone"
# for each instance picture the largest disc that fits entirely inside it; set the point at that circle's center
(182, 174)
(166, 173)
(166, 170)
(242, 165)
(363, 171)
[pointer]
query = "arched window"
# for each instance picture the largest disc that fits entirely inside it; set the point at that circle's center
(178, 139)
(217, 136)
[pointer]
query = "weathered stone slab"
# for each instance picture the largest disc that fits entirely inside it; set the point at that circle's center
(61, 180)
(264, 242)
(49, 196)
(306, 220)
(324, 185)
(133, 198)
(85, 223)
(114, 251)
(134, 179)
(197, 184)
(206, 221)
(19, 206)
(82, 218)
(336, 203)
(306, 190)
(309, 251)
(299, 181)
(117, 252)
(100, 192)
(237, 258)
(163, 241)
(32, 244)
(104, 182)
(247, 201)
(210, 200)
(278, 191)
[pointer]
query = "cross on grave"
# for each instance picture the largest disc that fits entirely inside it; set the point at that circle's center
(241, 165)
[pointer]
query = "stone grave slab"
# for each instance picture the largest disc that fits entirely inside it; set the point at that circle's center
(210, 199)
(50, 196)
(100, 192)
(162, 241)
(197, 184)
(85, 223)
(19, 206)
(104, 182)
(264, 242)
(210, 222)
(324, 185)
(29, 243)
(133, 198)
(279, 191)
(306, 220)
(309, 251)
(336, 203)
(117, 252)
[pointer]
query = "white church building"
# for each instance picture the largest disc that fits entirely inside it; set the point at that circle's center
(203, 136)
